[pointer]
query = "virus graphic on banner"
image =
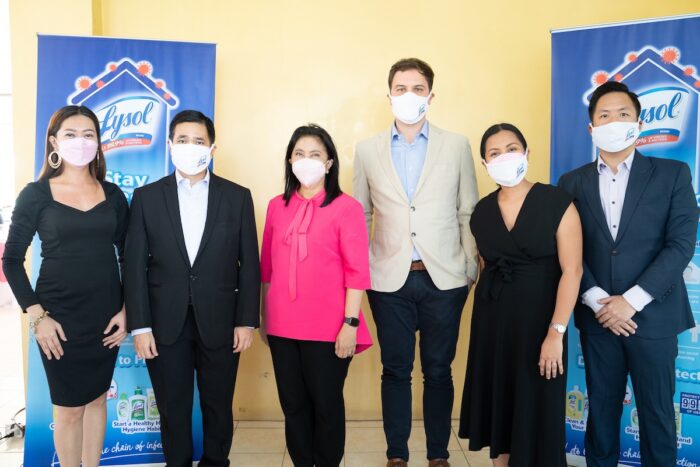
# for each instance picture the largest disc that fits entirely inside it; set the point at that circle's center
(128, 118)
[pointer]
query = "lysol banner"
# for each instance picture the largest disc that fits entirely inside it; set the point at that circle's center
(659, 60)
(135, 87)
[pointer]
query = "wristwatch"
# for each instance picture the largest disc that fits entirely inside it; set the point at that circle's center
(560, 328)
(350, 321)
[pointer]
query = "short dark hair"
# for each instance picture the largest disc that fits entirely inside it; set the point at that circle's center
(194, 116)
(497, 128)
(97, 167)
(332, 183)
(607, 88)
(412, 64)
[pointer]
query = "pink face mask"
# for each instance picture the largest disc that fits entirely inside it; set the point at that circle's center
(78, 152)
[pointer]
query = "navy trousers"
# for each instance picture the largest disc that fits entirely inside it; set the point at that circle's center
(651, 366)
(435, 314)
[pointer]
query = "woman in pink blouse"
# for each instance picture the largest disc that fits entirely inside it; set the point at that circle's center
(315, 266)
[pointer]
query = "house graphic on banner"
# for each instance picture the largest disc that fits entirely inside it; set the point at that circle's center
(134, 109)
(669, 93)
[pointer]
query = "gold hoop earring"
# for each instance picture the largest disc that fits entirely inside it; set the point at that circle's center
(59, 160)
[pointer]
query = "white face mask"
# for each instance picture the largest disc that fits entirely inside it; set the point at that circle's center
(615, 136)
(508, 169)
(309, 171)
(190, 159)
(409, 108)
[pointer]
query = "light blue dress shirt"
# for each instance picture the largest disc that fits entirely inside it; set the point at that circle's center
(409, 159)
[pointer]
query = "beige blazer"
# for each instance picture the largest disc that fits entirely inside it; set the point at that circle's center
(437, 222)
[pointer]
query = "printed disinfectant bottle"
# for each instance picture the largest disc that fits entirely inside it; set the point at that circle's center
(152, 412)
(138, 405)
(574, 404)
(123, 408)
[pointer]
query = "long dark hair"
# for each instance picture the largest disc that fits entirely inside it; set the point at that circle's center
(98, 167)
(291, 182)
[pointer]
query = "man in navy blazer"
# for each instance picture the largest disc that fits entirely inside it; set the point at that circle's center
(639, 216)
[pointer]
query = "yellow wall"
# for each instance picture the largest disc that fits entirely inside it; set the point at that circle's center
(283, 63)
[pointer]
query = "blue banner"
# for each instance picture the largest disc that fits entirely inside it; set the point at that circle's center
(658, 60)
(135, 87)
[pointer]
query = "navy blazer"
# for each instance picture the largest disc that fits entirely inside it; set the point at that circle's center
(654, 244)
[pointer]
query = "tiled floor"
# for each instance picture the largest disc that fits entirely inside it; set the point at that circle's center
(262, 444)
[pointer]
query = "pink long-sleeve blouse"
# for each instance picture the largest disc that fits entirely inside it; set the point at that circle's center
(310, 256)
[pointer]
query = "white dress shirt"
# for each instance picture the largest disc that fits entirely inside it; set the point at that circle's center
(613, 187)
(193, 201)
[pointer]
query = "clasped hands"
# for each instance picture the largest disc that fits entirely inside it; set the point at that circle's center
(146, 348)
(616, 315)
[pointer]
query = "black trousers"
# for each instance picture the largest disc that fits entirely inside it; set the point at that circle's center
(310, 380)
(172, 374)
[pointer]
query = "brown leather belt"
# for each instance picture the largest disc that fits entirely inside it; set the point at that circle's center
(417, 266)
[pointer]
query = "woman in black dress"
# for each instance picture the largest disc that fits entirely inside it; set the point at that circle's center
(76, 311)
(530, 245)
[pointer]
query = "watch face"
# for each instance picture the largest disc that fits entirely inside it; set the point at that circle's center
(354, 322)
(560, 328)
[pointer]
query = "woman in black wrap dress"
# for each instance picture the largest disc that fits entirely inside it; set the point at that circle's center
(76, 311)
(530, 246)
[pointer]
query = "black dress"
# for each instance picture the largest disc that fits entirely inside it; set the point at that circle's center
(79, 282)
(506, 404)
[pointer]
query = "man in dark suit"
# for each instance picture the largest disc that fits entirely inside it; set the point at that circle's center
(639, 218)
(192, 290)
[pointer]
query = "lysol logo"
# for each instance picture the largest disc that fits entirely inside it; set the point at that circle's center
(202, 161)
(663, 114)
(667, 104)
(128, 121)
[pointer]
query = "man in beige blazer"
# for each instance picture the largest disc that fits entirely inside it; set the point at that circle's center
(416, 182)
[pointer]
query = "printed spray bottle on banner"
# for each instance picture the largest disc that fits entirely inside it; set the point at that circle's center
(152, 408)
(123, 408)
